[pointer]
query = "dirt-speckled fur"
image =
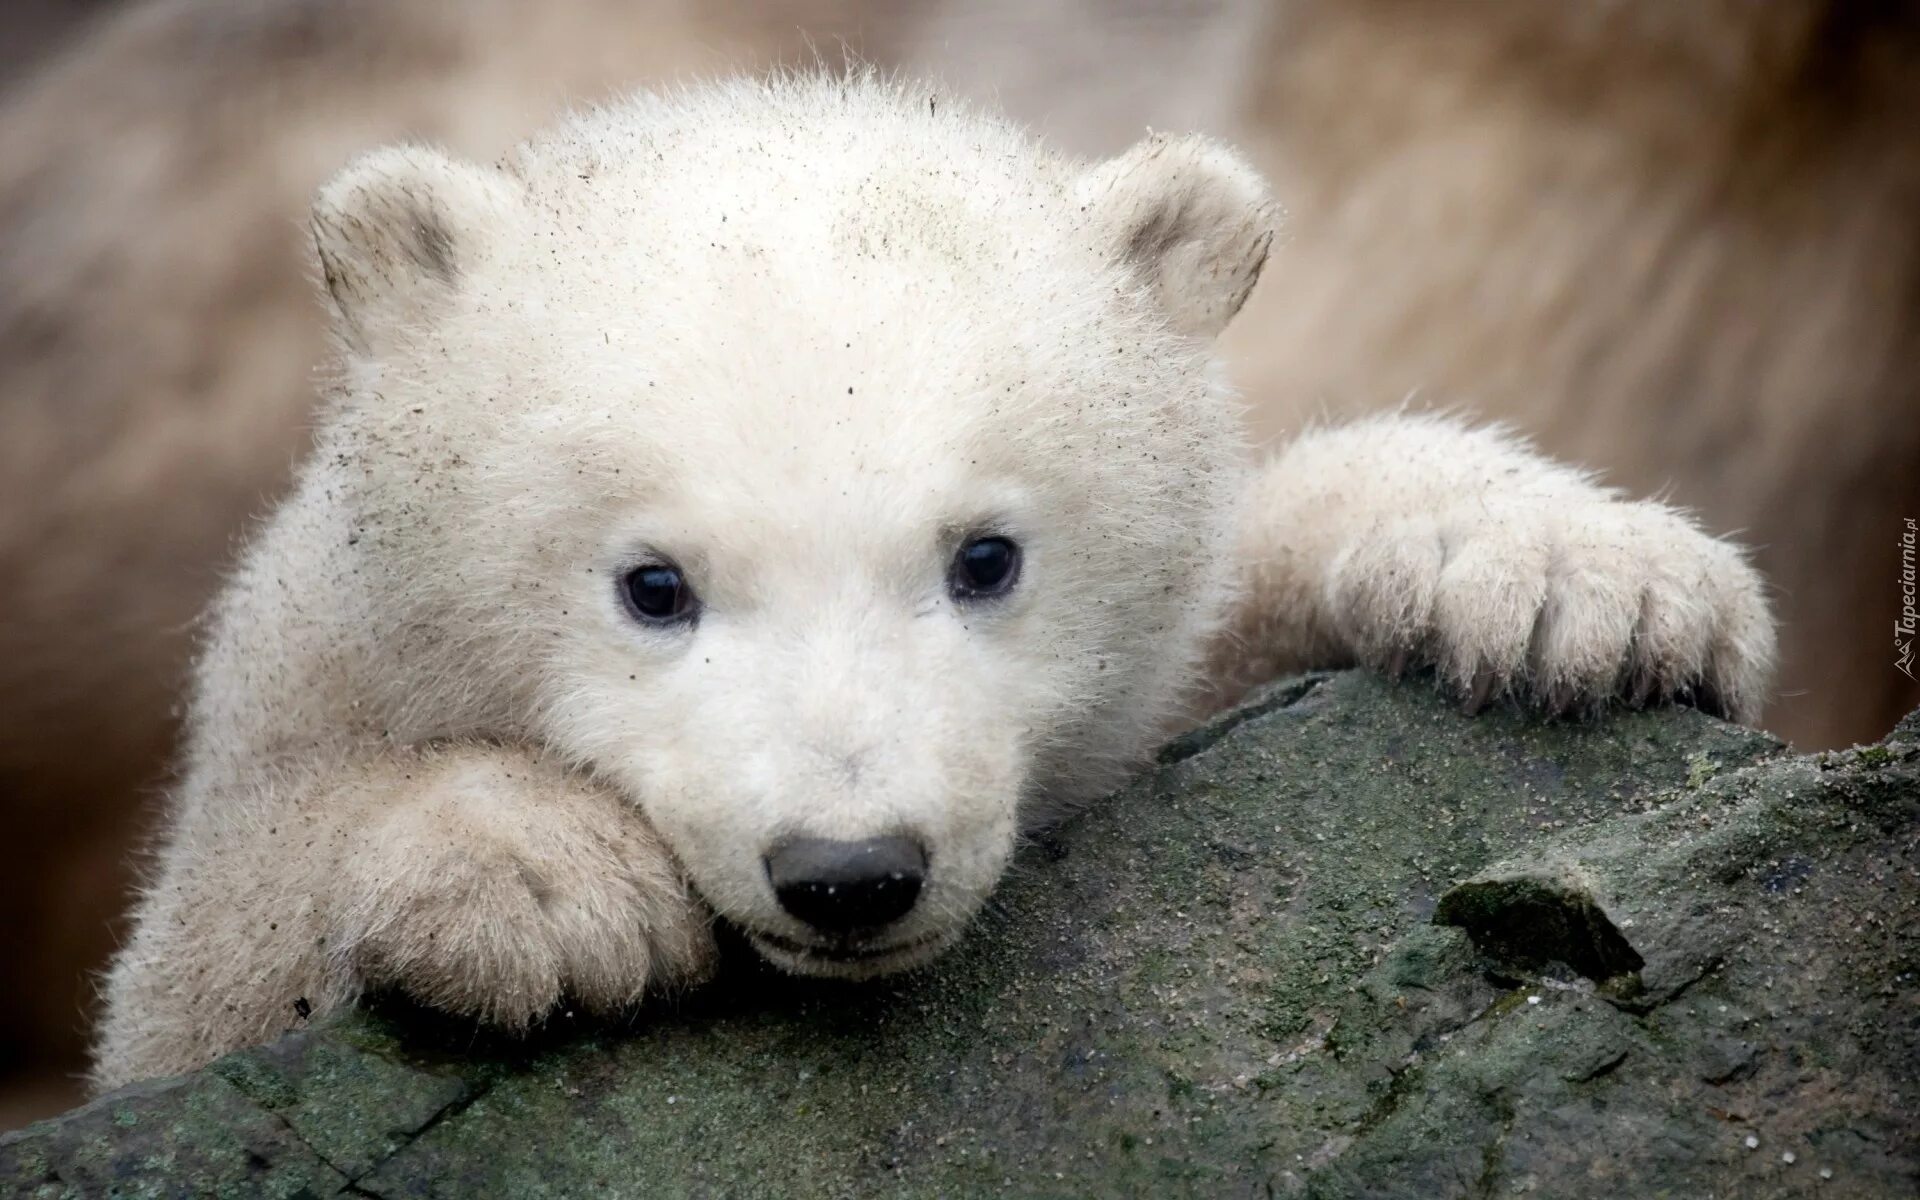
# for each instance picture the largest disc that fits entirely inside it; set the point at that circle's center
(800, 338)
(158, 339)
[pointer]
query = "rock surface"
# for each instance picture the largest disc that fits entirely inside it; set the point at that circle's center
(1344, 942)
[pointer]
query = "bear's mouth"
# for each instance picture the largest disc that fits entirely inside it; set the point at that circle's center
(851, 960)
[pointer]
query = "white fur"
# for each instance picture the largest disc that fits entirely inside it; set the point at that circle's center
(1407, 540)
(801, 338)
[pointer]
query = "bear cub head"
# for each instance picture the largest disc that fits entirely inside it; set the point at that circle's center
(841, 474)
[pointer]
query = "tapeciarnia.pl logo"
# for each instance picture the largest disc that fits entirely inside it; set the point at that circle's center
(1903, 626)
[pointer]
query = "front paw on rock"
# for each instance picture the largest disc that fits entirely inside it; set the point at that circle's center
(1562, 608)
(504, 950)
(499, 933)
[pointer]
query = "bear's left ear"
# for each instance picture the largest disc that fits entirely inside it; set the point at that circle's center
(1192, 218)
(396, 230)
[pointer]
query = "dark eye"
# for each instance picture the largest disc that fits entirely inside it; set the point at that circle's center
(658, 594)
(984, 567)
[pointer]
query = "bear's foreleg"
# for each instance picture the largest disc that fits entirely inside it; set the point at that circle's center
(482, 880)
(1418, 540)
(508, 882)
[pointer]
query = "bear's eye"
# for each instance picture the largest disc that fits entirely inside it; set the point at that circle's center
(659, 594)
(984, 567)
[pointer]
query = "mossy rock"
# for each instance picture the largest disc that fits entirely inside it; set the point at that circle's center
(1671, 960)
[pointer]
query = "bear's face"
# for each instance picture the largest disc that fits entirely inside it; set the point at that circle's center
(840, 506)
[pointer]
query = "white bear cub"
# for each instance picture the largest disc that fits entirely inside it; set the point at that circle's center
(766, 502)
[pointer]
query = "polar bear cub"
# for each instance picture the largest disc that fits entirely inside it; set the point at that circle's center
(765, 502)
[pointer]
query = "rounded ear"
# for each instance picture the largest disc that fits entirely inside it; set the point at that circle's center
(395, 229)
(1191, 218)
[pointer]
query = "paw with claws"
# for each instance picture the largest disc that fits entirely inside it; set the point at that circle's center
(503, 883)
(1563, 604)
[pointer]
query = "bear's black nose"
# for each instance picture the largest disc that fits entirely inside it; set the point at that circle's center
(847, 887)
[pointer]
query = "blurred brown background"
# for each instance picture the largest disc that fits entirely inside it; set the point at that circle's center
(1679, 243)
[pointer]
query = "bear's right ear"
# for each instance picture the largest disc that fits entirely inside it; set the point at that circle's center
(395, 230)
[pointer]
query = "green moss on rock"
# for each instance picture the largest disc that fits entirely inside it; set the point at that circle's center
(1670, 939)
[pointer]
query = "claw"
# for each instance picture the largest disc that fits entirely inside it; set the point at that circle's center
(1482, 691)
(1644, 683)
(1397, 663)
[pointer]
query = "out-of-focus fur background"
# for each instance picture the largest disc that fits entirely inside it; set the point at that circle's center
(1679, 243)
